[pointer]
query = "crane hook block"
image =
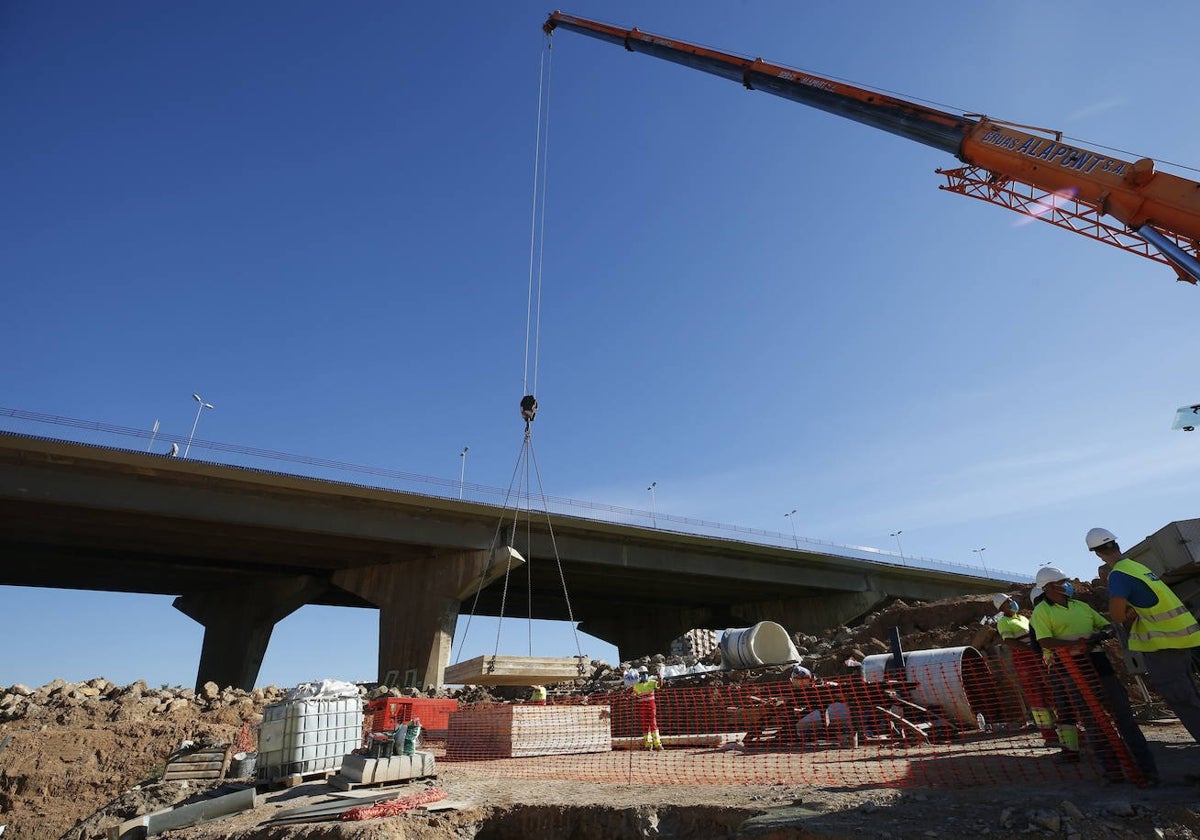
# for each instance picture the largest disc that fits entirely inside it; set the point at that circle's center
(529, 407)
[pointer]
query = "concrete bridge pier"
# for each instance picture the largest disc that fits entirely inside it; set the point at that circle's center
(419, 601)
(641, 629)
(811, 615)
(238, 622)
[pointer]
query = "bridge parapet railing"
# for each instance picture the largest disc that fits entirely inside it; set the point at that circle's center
(108, 435)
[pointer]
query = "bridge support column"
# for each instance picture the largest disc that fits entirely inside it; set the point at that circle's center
(811, 615)
(238, 623)
(640, 629)
(418, 602)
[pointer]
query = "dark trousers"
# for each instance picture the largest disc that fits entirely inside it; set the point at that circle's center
(1098, 681)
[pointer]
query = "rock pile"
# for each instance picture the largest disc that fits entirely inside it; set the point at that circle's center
(137, 702)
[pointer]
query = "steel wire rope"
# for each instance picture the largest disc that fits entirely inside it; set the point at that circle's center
(537, 336)
(557, 560)
(492, 553)
(522, 458)
(533, 326)
(529, 541)
(533, 214)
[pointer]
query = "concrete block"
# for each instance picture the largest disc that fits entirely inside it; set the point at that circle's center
(426, 764)
(388, 769)
(358, 768)
(403, 767)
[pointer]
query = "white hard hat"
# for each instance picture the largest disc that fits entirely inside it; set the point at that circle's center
(1098, 537)
(1035, 594)
(1000, 599)
(1049, 574)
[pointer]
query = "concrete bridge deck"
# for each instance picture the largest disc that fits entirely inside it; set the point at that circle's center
(241, 549)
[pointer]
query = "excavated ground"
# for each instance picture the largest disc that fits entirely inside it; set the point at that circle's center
(76, 759)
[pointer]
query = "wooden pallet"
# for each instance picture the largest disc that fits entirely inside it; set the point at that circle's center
(198, 764)
(343, 784)
(516, 670)
(292, 779)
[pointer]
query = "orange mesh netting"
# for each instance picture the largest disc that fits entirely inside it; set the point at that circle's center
(394, 806)
(955, 720)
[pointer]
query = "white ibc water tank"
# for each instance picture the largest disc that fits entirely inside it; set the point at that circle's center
(766, 643)
(308, 735)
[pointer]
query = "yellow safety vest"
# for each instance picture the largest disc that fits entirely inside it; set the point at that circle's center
(644, 690)
(1013, 627)
(1167, 624)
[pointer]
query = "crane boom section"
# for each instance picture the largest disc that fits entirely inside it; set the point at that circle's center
(939, 129)
(1131, 192)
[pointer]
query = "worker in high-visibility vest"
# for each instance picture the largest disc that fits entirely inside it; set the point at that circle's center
(537, 695)
(645, 706)
(1031, 670)
(1086, 689)
(1160, 626)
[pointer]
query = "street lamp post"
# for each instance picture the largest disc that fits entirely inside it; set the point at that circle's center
(199, 408)
(462, 473)
(790, 517)
(896, 536)
(980, 551)
(653, 517)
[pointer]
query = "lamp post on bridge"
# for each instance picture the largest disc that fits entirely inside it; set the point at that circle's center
(653, 517)
(896, 536)
(980, 551)
(462, 473)
(790, 517)
(203, 405)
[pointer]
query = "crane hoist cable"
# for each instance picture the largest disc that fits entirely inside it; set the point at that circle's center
(521, 493)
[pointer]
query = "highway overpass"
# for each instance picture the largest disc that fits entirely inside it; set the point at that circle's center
(240, 549)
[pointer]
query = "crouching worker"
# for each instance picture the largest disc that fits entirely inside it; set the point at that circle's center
(645, 706)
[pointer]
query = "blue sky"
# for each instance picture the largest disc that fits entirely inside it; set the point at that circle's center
(318, 217)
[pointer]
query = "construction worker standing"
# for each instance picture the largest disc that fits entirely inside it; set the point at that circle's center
(1083, 680)
(1031, 672)
(1160, 627)
(645, 706)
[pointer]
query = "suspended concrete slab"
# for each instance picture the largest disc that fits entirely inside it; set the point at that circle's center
(517, 670)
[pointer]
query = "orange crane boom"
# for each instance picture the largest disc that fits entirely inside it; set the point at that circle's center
(1156, 214)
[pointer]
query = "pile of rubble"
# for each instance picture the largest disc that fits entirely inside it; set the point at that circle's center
(56, 701)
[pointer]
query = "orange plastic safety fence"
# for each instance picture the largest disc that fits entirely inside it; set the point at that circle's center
(950, 717)
(392, 807)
